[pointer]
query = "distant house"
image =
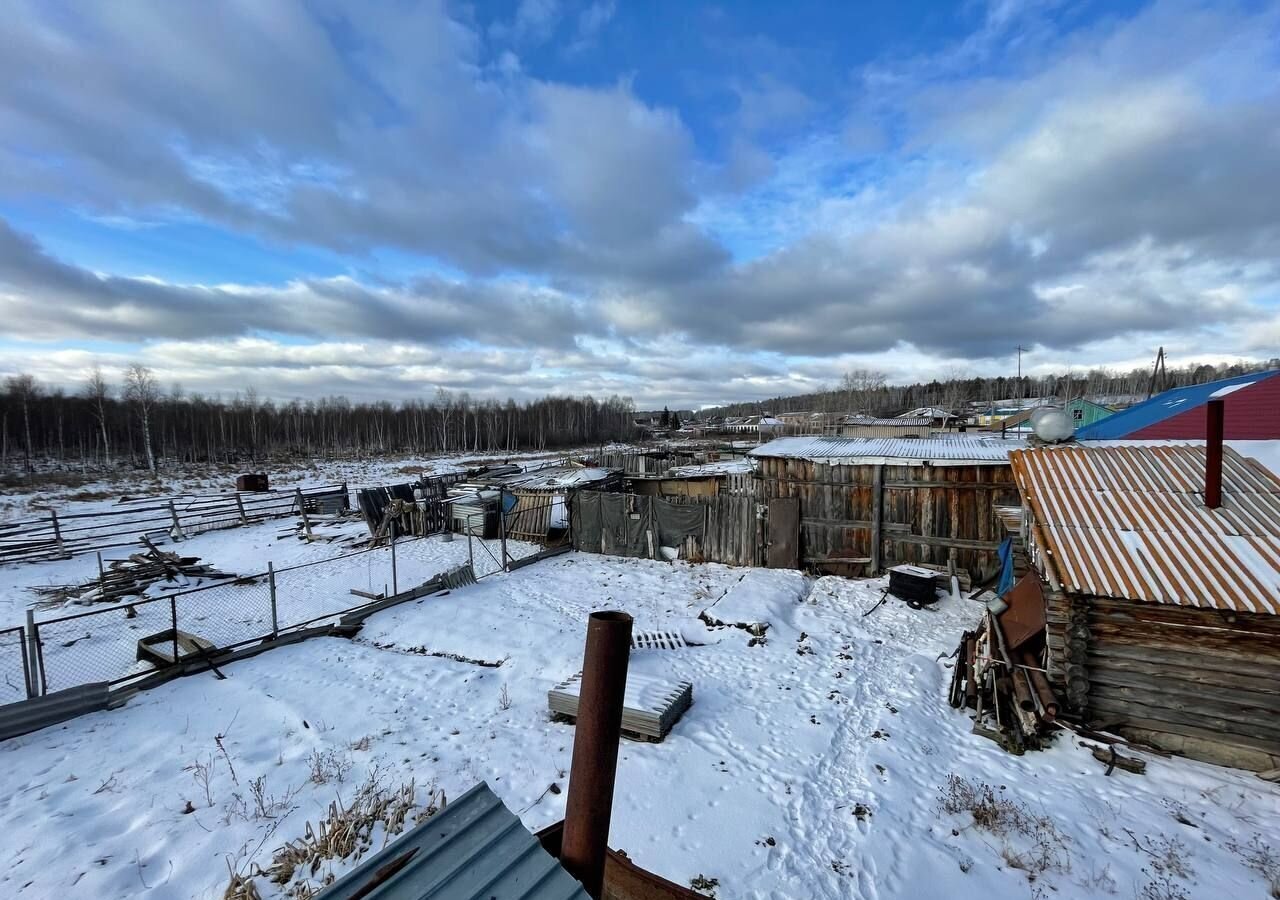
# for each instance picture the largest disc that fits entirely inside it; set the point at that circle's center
(1252, 412)
(871, 427)
(1081, 411)
(763, 426)
(1162, 608)
(939, 418)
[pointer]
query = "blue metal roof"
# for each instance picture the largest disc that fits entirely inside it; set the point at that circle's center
(473, 848)
(1162, 406)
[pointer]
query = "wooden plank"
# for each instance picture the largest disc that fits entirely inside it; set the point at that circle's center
(1127, 714)
(877, 519)
(1177, 709)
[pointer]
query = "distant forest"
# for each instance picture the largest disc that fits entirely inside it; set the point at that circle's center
(139, 423)
(868, 391)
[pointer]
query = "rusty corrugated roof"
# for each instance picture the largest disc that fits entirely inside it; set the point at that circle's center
(1130, 522)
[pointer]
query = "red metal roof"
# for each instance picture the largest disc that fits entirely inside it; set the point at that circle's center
(1130, 522)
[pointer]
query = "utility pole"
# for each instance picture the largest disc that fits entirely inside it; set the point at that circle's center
(1021, 350)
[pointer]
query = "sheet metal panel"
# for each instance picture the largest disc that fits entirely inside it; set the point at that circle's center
(893, 451)
(1129, 522)
(473, 848)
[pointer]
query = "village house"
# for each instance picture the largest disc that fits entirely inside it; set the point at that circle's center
(1252, 405)
(1160, 567)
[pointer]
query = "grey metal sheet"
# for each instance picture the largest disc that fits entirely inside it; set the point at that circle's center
(958, 450)
(474, 848)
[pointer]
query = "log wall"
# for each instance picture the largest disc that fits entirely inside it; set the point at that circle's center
(858, 519)
(1202, 682)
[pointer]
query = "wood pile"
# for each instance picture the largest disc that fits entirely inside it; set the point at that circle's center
(134, 575)
(1005, 684)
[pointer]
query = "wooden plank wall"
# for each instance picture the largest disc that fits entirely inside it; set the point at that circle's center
(926, 514)
(1206, 675)
(531, 519)
(732, 534)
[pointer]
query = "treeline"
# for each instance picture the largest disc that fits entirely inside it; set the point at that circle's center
(136, 423)
(867, 391)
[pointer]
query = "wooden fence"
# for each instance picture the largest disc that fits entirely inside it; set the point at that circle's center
(58, 536)
(857, 519)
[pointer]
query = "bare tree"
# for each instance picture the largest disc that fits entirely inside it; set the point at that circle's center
(860, 386)
(142, 390)
(25, 389)
(97, 392)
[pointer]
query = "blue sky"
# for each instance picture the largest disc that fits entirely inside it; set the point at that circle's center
(682, 203)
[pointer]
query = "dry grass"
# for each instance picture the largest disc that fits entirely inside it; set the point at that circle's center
(1030, 841)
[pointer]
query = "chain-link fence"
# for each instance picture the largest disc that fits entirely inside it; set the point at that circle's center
(13, 665)
(107, 644)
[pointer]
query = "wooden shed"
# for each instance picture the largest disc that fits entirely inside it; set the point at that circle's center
(1163, 609)
(864, 505)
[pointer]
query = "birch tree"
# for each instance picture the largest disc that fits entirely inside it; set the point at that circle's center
(97, 392)
(142, 391)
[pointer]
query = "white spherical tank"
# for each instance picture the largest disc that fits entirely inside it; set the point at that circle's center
(1052, 425)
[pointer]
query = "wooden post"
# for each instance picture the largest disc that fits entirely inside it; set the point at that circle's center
(877, 515)
(177, 523)
(302, 511)
(102, 573)
(271, 583)
(244, 519)
(57, 535)
(502, 527)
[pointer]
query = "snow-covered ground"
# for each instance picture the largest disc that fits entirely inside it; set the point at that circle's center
(817, 763)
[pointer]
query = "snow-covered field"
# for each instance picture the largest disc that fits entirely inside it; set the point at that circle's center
(817, 763)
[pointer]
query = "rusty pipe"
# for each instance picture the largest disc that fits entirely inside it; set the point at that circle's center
(1214, 418)
(595, 749)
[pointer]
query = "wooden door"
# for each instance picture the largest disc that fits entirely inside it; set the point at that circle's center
(784, 533)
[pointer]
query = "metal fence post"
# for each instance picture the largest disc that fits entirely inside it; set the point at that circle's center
(502, 526)
(395, 584)
(271, 582)
(32, 671)
(173, 616)
(302, 511)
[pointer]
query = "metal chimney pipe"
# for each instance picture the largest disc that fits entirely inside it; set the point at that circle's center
(1213, 454)
(595, 749)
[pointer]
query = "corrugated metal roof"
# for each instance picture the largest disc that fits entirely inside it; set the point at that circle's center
(473, 848)
(894, 451)
(899, 422)
(551, 477)
(1162, 406)
(1130, 522)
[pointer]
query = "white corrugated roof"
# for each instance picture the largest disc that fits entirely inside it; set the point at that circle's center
(1130, 522)
(959, 450)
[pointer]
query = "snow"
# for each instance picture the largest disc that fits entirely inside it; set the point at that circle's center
(1230, 389)
(810, 764)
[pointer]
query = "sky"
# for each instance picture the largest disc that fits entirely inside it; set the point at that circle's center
(682, 203)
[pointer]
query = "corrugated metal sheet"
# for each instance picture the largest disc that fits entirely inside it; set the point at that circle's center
(473, 849)
(893, 451)
(1128, 422)
(900, 422)
(41, 712)
(1129, 522)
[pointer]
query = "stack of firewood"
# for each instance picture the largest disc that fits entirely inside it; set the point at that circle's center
(1005, 685)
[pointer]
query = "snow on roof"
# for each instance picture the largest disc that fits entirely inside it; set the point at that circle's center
(899, 422)
(931, 412)
(1129, 521)
(553, 477)
(723, 467)
(894, 451)
(1170, 403)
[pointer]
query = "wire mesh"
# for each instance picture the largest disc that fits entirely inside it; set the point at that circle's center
(227, 614)
(311, 593)
(100, 645)
(13, 671)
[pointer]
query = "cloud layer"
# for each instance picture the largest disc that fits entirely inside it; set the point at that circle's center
(1087, 191)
